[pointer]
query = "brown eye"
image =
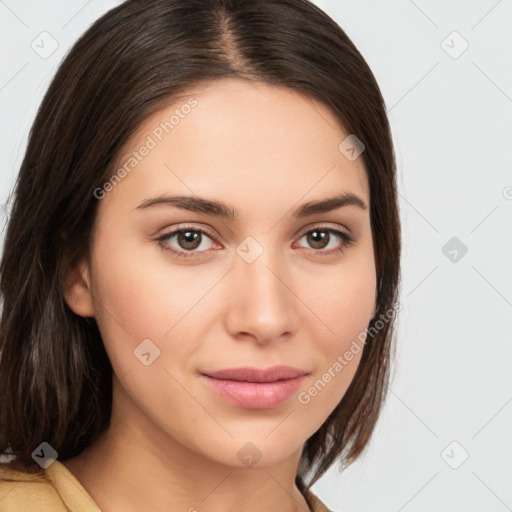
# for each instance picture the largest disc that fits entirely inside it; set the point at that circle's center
(318, 238)
(189, 242)
(327, 241)
(188, 239)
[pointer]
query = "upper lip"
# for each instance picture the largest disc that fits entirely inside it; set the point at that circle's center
(250, 374)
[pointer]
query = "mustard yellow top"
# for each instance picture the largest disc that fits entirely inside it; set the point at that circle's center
(57, 490)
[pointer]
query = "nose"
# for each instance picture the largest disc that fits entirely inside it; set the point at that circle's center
(262, 305)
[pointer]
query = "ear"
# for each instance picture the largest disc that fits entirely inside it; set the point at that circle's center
(77, 290)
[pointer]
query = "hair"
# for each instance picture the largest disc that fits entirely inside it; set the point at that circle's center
(55, 375)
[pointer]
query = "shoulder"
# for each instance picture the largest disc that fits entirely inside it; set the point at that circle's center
(316, 504)
(54, 489)
(20, 491)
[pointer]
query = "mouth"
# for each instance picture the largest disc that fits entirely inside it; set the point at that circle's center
(249, 374)
(254, 388)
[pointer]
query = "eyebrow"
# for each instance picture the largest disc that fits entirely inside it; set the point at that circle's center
(218, 209)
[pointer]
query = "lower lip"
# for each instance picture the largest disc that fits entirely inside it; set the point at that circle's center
(255, 395)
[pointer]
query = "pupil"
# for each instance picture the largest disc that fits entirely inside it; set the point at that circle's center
(189, 239)
(319, 238)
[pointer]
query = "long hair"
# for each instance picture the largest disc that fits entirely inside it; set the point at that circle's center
(55, 376)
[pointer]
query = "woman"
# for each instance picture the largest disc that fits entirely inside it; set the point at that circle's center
(201, 264)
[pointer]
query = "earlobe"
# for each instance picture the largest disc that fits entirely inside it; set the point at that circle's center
(77, 290)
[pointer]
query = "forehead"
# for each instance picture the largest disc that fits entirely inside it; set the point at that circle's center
(236, 141)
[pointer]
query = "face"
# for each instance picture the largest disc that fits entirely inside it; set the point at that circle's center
(180, 291)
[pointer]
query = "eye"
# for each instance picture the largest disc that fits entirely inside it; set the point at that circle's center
(188, 239)
(321, 237)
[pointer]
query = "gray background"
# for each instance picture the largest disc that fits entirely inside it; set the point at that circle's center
(441, 441)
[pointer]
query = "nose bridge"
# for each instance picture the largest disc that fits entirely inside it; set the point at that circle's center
(262, 303)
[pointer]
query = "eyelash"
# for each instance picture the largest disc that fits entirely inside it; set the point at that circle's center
(345, 238)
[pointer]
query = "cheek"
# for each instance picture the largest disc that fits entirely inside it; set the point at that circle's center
(344, 303)
(343, 299)
(141, 295)
(128, 303)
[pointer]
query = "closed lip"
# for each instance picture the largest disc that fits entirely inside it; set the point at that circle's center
(250, 374)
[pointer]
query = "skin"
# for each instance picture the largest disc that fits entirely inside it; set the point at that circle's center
(173, 442)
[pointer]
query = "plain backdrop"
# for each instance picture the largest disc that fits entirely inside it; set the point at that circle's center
(445, 71)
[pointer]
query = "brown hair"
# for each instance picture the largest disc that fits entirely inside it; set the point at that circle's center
(55, 376)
